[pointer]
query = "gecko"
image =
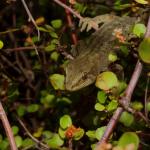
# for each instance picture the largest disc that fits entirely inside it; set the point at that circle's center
(93, 53)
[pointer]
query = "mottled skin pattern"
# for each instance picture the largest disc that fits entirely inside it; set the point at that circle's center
(93, 53)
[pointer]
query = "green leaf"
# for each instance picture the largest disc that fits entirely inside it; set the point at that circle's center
(144, 50)
(57, 81)
(62, 133)
(91, 134)
(78, 134)
(55, 41)
(106, 81)
(56, 23)
(33, 108)
(112, 57)
(129, 138)
(64, 100)
(1, 44)
(1, 138)
(112, 105)
(142, 1)
(42, 29)
(65, 121)
(38, 132)
(53, 35)
(47, 134)
(93, 146)
(99, 132)
(124, 49)
(127, 119)
(21, 110)
(15, 130)
(80, 7)
(55, 142)
(50, 47)
(116, 91)
(122, 7)
(101, 97)
(99, 107)
(137, 105)
(35, 39)
(55, 56)
(48, 99)
(19, 141)
(4, 145)
(27, 143)
(139, 29)
(148, 106)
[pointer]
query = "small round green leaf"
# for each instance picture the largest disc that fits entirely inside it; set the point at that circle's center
(33, 108)
(50, 47)
(15, 130)
(112, 57)
(57, 81)
(19, 141)
(126, 118)
(106, 81)
(54, 56)
(56, 23)
(78, 134)
(4, 145)
(99, 107)
(129, 138)
(101, 97)
(65, 121)
(137, 105)
(62, 133)
(28, 143)
(55, 142)
(47, 134)
(139, 29)
(1, 44)
(144, 50)
(49, 98)
(142, 1)
(112, 105)
(91, 134)
(99, 132)
(21, 110)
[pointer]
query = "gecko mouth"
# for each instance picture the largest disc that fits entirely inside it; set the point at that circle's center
(78, 86)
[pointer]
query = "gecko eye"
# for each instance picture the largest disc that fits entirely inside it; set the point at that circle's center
(84, 76)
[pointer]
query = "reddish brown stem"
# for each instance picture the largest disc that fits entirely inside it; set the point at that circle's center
(71, 25)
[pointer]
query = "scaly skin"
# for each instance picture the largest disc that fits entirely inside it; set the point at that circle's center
(93, 53)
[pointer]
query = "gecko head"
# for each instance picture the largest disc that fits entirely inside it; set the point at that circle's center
(80, 73)
(74, 83)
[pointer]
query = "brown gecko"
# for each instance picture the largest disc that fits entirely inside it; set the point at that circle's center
(94, 51)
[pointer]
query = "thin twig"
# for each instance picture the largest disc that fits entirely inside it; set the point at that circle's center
(68, 8)
(9, 30)
(31, 17)
(21, 48)
(32, 137)
(71, 25)
(7, 127)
